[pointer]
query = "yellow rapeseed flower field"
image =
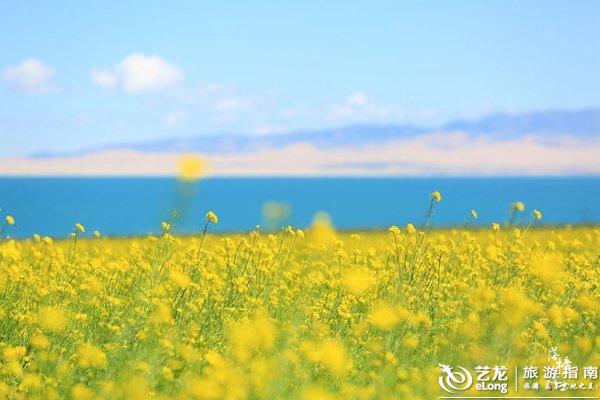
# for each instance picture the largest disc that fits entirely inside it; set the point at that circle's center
(310, 315)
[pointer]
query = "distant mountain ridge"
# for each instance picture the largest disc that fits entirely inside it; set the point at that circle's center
(581, 124)
(351, 135)
(554, 143)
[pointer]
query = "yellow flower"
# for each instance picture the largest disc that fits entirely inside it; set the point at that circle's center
(410, 342)
(31, 382)
(166, 227)
(39, 341)
(81, 392)
(53, 319)
(394, 230)
(180, 278)
(384, 317)
(321, 230)
(481, 297)
(584, 344)
(334, 357)
(212, 217)
(189, 353)
(97, 234)
(517, 307)
(91, 356)
(14, 353)
(162, 313)
(316, 393)
(537, 214)
(329, 353)
(495, 226)
(474, 214)
(268, 315)
(10, 220)
(191, 167)
(518, 206)
(274, 213)
(253, 335)
(436, 196)
(541, 331)
(5, 390)
(167, 373)
(79, 228)
(358, 282)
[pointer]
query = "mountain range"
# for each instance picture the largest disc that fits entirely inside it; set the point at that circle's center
(579, 124)
(553, 143)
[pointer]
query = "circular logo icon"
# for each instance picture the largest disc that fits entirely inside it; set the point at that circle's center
(452, 381)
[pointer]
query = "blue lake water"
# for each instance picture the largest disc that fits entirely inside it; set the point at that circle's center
(135, 206)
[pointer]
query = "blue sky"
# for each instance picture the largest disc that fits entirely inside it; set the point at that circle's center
(84, 74)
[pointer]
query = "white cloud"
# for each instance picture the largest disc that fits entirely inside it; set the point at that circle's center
(31, 76)
(224, 107)
(357, 99)
(359, 108)
(139, 73)
(147, 73)
(104, 79)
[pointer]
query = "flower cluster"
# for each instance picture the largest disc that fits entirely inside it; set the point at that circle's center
(321, 315)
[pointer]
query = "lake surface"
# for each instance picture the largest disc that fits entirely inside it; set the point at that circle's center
(136, 206)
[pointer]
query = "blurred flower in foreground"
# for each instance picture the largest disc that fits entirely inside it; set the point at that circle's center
(190, 167)
(91, 356)
(359, 281)
(394, 230)
(321, 231)
(53, 319)
(10, 220)
(212, 217)
(436, 196)
(79, 228)
(518, 206)
(274, 213)
(537, 214)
